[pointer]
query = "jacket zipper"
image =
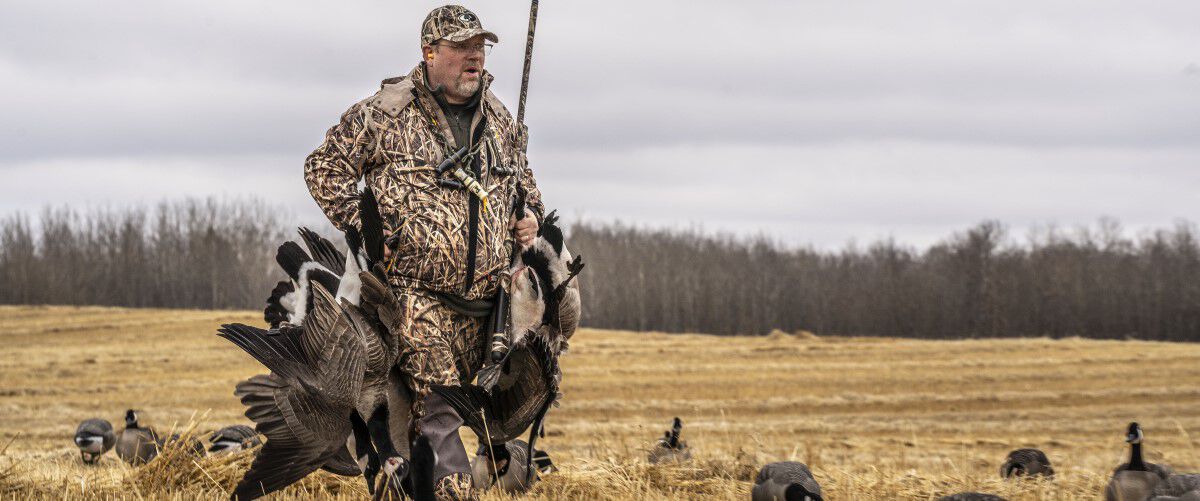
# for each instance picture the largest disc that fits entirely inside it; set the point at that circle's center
(472, 236)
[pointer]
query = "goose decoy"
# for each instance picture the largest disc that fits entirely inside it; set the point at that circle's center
(511, 396)
(1137, 478)
(190, 444)
(785, 481)
(335, 366)
(136, 444)
(1187, 496)
(232, 439)
(94, 437)
(971, 496)
(670, 448)
(504, 466)
(1026, 462)
(1178, 486)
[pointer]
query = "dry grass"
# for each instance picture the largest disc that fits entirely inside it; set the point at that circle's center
(875, 418)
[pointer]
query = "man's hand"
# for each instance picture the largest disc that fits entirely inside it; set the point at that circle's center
(524, 230)
(387, 251)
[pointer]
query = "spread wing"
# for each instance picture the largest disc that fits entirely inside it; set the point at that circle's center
(303, 430)
(304, 407)
(513, 395)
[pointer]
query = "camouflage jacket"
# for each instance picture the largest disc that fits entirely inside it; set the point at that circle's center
(394, 140)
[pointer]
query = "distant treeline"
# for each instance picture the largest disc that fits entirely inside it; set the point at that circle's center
(978, 283)
(188, 254)
(1092, 283)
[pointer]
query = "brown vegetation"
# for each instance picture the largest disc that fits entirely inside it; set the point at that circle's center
(876, 418)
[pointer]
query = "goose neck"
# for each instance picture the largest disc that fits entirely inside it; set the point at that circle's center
(1136, 462)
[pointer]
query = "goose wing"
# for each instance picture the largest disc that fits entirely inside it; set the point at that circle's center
(342, 463)
(512, 395)
(304, 406)
(304, 432)
(323, 251)
(569, 311)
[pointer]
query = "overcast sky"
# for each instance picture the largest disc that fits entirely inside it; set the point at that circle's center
(813, 122)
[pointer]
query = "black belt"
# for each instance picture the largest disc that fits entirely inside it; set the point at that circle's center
(474, 308)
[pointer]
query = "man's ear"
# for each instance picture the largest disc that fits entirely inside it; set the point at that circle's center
(427, 52)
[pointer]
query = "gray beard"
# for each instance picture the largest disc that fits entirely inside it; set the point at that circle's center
(466, 87)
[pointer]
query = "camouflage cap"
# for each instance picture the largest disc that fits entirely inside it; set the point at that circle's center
(454, 23)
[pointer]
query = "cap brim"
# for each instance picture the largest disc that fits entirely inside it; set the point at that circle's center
(459, 36)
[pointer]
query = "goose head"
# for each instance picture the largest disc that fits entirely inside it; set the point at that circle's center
(1134, 435)
(528, 299)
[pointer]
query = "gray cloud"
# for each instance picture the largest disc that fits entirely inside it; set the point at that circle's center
(813, 122)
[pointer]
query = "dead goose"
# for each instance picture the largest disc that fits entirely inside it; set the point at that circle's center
(335, 366)
(545, 297)
(511, 396)
(1026, 462)
(971, 496)
(189, 444)
(296, 302)
(504, 466)
(290, 301)
(1137, 478)
(670, 448)
(94, 437)
(785, 481)
(136, 444)
(232, 439)
(549, 257)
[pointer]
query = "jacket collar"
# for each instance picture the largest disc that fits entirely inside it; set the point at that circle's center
(427, 100)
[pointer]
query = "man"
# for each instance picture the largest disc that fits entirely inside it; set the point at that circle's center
(450, 243)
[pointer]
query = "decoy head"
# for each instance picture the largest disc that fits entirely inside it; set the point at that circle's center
(498, 458)
(1134, 435)
(131, 419)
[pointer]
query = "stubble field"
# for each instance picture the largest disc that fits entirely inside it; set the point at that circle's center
(874, 418)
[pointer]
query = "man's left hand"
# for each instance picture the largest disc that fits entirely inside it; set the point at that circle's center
(524, 230)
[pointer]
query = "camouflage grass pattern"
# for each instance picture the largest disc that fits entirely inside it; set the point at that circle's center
(454, 23)
(395, 140)
(440, 347)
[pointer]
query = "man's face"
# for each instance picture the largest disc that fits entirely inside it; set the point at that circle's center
(456, 66)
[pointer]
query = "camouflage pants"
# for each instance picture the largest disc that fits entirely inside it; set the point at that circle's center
(440, 346)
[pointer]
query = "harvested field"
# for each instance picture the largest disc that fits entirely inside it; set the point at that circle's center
(875, 418)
